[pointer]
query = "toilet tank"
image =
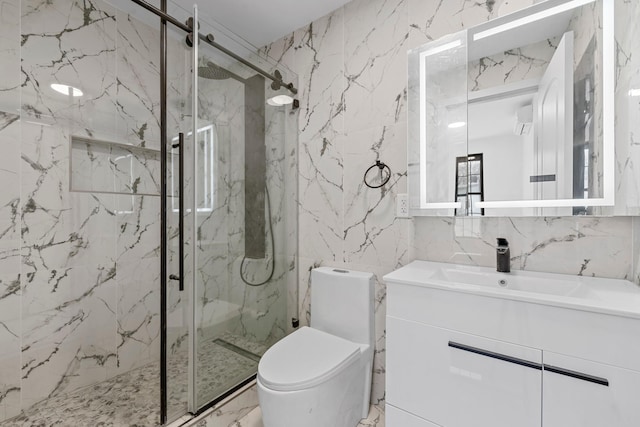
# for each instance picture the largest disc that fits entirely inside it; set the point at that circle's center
(342, 303)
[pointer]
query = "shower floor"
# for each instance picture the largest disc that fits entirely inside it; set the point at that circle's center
(133, 398)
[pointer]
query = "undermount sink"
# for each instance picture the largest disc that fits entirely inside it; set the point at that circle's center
(589, 293)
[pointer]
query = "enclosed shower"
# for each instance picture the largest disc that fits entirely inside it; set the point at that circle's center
(148, 224)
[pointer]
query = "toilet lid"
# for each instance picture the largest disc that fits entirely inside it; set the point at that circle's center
(304, 359)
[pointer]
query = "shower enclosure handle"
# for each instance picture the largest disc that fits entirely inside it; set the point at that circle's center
(180, 147)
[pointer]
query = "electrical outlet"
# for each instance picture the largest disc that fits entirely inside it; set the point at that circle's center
(402, 205)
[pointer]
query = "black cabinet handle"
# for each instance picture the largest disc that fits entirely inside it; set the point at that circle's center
(577, 375)
(494, 355)
(529, 364)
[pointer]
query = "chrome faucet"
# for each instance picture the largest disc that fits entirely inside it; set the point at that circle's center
(503, 256)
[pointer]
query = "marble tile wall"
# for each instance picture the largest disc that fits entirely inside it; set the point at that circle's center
(79, 224)
(10, 289)
(225, 303)
(79, 285)
(10, 278)
(352, 68)
(266, 317)
(253, 312)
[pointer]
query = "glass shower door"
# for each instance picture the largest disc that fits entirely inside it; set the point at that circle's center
(223, 354)
(179, 123)
(238, 223)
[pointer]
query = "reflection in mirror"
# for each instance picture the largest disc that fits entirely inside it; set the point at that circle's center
(469, 185)
(438, 91)
(526, 95)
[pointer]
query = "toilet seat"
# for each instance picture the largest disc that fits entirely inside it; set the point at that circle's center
(304, 359)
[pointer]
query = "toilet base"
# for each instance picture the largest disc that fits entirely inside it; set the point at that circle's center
(337, 403)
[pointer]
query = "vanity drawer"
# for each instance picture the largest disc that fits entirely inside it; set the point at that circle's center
(580, 393)
(395, 417)
(460, 380)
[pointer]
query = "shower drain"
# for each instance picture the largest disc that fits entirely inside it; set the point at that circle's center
(239, 350)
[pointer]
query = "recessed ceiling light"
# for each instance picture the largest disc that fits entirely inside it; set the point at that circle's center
(280, 100)
(66, 89)
(456, 125)
(634, 92)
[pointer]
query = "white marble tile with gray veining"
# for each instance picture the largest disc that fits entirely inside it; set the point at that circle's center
(10, 334)
(375, 45)
(321, 198)
(372, 233)
(73, 44)
(321, 68)
(428, 21)
(10, 56)
(321, 127)
(579, 246)
(514, 65)
(138, 94)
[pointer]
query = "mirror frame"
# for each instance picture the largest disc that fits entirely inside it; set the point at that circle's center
(418, 196)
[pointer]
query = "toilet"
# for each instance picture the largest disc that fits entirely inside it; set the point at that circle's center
(320, 376)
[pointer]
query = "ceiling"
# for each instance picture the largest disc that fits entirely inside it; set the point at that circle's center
(263, 21)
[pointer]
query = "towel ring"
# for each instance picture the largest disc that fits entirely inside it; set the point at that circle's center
(381, 166)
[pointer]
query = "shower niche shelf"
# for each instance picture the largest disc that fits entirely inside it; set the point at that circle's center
(98, 166)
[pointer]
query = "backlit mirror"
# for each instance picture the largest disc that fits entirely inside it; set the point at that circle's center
(514, 117)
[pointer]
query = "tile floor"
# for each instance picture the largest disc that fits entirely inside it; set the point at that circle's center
(254, 419)
(133, 399)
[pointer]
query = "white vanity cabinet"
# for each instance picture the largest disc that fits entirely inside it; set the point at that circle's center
(444, 377)
(470, 355)
(598, 395)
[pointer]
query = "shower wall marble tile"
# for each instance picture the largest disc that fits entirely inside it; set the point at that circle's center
(10, 55)
(264, 315)
(138, 91)
(256, 313)
(137, 281)
(79, 289)
(79, 286)
(10, 292)
(352, 68)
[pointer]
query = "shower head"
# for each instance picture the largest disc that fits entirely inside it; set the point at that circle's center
(213, 72)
